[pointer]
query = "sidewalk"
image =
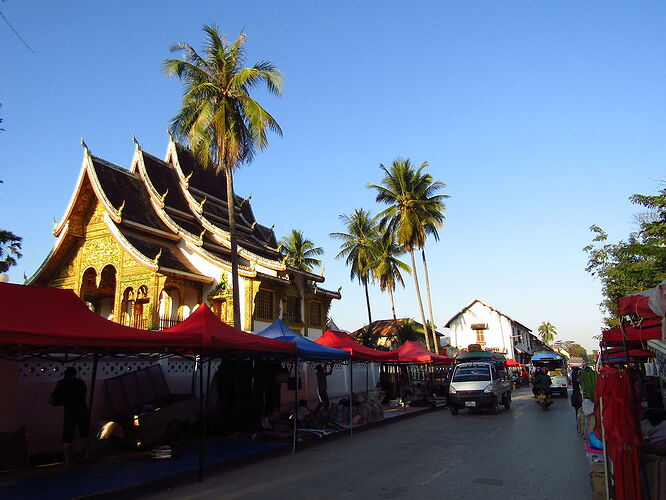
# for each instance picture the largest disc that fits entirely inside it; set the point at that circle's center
(138, 472)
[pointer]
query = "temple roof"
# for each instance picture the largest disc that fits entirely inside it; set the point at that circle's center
(158, 209)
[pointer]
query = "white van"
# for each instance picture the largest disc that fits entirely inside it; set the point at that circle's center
(479, 384)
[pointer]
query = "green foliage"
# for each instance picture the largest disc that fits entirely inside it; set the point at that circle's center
(385, 264)
(10, 246)
(300, 252)
(634, 264)
(547, 332)
(415, 209)
(357, 243)
(222, 124)
(410, 330)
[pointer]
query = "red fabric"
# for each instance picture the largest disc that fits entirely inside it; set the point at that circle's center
(413, 352)
(620, 422)
(512, 362)
(216, 334)
(635, 305)
(41, 316)
(615, 352)
(340, 340)
(647, 330)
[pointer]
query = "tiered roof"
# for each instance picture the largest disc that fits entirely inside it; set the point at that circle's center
(162, 212)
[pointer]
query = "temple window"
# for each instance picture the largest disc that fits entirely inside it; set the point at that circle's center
(263, 305)
(292, 314)
(169, 306)
(315, 314)
(127, 307)
(101, 296)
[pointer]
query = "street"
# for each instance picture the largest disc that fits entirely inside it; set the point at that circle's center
(521, 453)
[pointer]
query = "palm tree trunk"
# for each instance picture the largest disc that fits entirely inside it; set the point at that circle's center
(367, 302)
(395, 319)
(435, 340)
(418, 296)
(234, 247)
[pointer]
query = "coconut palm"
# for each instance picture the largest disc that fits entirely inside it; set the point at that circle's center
(356, 248)
(386, 266)
(222, 124)
(414, 209)
(10, 246)
(547, 332)
(300, 252)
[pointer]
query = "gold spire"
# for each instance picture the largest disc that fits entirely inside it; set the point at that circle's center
(136, 143)
(156, 260)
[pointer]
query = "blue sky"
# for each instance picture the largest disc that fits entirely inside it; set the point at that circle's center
(541, 118)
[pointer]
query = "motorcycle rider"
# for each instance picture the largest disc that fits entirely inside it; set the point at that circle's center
(542, 381)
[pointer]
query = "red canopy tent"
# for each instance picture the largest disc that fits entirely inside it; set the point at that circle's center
(217, 335)
(649, 303)
(340, 340)
(636, 335)
(56, 320)
(512, 362)
(413, 352)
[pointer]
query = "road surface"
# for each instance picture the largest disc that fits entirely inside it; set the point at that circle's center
(521, 453)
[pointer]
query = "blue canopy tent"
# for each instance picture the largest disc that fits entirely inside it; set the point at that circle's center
(306, 350)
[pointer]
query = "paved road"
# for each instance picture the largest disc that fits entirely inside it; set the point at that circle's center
(520, 453)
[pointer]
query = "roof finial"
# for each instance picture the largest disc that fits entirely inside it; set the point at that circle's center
(253, 224)
(157, 257)
(323, 270)
(163, 196)
(245, 200)
(273, 226)
(188, 176)
(170, 134)
(138, 146)
(339, 288)
(119, 212)
(279, 248)
(85, 146)
(202, 235)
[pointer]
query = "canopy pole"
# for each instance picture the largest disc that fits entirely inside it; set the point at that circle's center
(93, 380)
(351, 396)
(367, 375)
(295, 437)
(202, 427)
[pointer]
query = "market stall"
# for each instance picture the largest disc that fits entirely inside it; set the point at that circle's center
(55, 324)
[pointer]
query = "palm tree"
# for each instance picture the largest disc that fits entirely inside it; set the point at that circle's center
(546, 332)
(300, 252)
(356, 248)
(415, 210)
(10, 246)
(223, 126)
(386, 267)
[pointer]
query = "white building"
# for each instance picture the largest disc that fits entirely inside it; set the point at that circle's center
(479, 323)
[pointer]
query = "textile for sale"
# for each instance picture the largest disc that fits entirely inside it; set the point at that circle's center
(619, 418)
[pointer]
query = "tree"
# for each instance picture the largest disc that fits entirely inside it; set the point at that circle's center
(10, 246)
(410, 330)
(222, 124)
(547, 332)
(634, 264)
(415, 209)
(300, 252)
(356, 248)
(386, 266)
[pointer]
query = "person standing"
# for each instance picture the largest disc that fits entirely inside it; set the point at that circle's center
(70, 393)
(322, 386)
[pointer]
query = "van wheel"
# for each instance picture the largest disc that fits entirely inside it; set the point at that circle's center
(507, 402)
(176, 433)
(454, 411)
(495, 408)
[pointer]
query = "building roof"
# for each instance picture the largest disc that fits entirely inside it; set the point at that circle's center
(468, 306)
(385, 328)
(159, 208)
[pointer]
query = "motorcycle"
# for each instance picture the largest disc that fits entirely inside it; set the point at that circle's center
(543, 399)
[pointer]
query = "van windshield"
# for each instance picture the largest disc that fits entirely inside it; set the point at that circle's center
(471, 374)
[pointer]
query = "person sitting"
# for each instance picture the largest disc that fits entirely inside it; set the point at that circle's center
(542, 381)
(303, 416)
